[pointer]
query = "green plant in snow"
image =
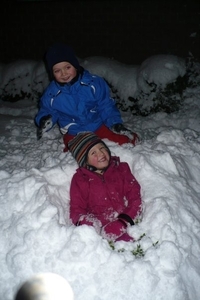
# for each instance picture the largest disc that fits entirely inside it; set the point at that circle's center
(154, 244)
(111, 244)
(138, 252)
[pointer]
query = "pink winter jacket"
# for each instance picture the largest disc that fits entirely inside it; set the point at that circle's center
(98, 199)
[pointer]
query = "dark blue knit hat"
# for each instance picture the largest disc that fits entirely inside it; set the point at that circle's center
(58, 53)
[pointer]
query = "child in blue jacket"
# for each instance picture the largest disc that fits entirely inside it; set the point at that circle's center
(78, 101)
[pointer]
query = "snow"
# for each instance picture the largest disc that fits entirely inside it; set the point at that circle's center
(169, 66)
(35, 231)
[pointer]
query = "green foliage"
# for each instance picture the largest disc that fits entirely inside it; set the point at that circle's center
(166, 100)
(111, 244)
(154, 244)
(11, 93)
(137, 252)
(14, 98)
(193, 72)
(141, 236)
(19, 88)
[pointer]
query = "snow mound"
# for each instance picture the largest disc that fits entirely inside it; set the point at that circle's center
(160, 70)
(120, 76)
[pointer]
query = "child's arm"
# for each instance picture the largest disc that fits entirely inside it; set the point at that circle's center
(46, 110)
(132, 194)
(107, 108)
(45, 104)
(80, 213)
(109, 112)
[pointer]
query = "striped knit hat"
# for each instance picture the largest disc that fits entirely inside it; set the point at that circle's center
(80, 145)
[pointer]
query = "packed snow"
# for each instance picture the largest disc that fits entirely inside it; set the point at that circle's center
(35, 230)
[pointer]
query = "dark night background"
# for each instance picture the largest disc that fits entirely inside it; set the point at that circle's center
(128, 31)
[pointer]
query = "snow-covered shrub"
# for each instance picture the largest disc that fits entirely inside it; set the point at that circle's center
(161, 80)
(157, 85)
(120, 77)
(22, 79)
(193, 70)
(168, 99)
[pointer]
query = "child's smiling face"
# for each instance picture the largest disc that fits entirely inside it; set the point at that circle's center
(64, 72)
(98, 156)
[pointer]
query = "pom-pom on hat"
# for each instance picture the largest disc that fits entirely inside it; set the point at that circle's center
(80, 145)
(58, 53)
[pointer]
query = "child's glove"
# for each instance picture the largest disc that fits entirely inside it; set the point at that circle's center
(45, 125)
(119, 128)
(113, 230)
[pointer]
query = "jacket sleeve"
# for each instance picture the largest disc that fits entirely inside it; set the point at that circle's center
(132, 193)
(45, 108)
(108, 110)
(79, 213)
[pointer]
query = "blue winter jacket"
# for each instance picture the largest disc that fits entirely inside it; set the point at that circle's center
(82, 106)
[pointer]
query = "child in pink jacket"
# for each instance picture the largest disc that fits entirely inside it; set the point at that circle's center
(104, 193)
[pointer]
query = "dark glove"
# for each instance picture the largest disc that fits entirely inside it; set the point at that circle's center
(45, 125)
(113, 230)
(126, 218)
(119, 128)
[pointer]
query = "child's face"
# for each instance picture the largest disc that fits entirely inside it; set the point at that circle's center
(98, 156)
(64, 72)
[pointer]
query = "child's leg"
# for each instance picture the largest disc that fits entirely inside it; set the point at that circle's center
(66, 138)
(104, 132)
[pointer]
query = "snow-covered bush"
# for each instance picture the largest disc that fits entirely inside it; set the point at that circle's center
(193, 72)
(121, 78)
(157, 85)
(161, 80)
(22, 79)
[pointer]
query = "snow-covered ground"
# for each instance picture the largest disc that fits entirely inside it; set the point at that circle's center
(36, 234)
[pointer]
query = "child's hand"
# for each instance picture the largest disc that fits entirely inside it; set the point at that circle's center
(119, 128)
(45, 125)
(113, 230)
